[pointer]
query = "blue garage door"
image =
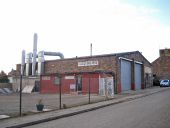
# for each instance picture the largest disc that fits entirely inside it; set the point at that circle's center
(125, 75)
(138, 76)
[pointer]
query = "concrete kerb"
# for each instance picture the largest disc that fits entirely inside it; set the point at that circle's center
(87, 108)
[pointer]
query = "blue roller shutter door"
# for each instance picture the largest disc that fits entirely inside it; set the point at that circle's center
(138, 76)
(125, 75)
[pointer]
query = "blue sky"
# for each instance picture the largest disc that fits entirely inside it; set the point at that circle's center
(162, 7)
(70, 26)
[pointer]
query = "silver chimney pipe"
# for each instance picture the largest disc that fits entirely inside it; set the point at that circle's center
(40, 62)
(34, 53)
(22, 62)
(28, 64)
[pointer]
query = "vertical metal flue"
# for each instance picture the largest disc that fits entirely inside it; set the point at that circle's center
(22, 62)
(34, 53)
(28, 70)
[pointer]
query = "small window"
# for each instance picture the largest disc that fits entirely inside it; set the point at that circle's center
(57, 80)
(45, 77)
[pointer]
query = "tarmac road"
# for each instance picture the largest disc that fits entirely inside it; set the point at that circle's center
(148, 112)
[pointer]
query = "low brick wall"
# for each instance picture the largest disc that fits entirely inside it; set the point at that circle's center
(6, 85)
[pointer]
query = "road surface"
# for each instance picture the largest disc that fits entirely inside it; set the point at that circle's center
(148, 112)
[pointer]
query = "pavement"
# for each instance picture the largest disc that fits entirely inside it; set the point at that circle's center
(19, 122)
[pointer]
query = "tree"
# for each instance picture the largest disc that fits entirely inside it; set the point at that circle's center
(3, 77)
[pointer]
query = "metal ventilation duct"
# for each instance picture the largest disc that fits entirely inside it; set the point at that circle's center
(41, 59)
(31, 59)
(54, 54)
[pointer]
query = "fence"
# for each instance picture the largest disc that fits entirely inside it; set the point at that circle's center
(56, 92)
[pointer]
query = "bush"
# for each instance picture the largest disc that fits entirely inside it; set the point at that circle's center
(3, 77)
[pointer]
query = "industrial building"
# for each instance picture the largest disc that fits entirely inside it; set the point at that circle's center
(119, 72)
(129, 70)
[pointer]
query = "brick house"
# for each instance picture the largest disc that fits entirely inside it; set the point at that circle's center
(128, 71)
(161, 66)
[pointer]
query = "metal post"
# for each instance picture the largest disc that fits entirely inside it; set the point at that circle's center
(22, 72)
(20, 103)
(105, 85)
(60, 93)
(89, 89)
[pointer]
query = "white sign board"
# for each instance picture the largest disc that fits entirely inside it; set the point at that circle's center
(45, 77)
(88, 63)
(69, 77)
(72, 86)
